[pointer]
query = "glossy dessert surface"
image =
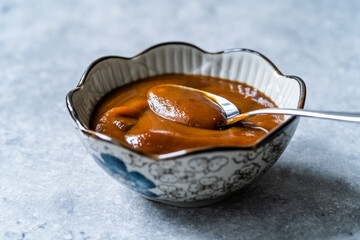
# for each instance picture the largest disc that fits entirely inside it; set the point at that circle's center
(188, 120)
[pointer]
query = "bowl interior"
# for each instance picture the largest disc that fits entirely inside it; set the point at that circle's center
(250, 67)
(246, 66)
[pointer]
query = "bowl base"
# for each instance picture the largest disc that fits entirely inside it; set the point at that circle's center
(194, 204)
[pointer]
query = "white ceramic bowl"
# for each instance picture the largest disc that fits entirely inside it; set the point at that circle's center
(192, 177)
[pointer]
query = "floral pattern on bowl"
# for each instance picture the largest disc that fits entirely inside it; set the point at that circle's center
(118, 170)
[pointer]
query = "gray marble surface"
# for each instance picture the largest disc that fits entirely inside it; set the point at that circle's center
(50, 188)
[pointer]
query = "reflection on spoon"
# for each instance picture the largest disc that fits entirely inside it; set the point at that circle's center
(206, 110)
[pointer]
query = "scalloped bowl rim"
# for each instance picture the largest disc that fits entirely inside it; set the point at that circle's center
(182, 153)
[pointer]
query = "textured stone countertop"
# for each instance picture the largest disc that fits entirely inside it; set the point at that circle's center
(50, 187)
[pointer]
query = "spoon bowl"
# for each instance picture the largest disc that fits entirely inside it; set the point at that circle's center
(194, 110)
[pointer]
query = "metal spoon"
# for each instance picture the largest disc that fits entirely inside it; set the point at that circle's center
(233, 115)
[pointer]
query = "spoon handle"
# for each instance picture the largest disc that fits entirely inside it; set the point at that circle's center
(340, 116)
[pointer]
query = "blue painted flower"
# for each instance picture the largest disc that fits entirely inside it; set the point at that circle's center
(116, 168)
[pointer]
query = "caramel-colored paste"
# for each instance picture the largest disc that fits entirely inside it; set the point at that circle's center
(184, 119)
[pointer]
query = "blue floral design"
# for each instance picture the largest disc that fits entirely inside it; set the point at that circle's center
(116, 168)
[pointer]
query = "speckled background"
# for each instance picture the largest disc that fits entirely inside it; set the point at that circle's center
(50, 188)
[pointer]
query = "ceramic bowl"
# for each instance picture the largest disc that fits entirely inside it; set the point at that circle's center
(192, 177)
